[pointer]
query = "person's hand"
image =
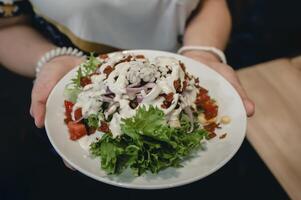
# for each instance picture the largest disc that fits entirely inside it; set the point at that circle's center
(46, 79)
(227, 72)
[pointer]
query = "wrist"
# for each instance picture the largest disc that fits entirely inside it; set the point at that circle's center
(205, 56)
(59, 65)
(204, 52)
(67, 60)
(58, 52)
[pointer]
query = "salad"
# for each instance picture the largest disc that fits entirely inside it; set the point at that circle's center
(139, 114)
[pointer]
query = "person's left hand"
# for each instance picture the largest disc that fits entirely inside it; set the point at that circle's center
(46, 79)
(227, 72)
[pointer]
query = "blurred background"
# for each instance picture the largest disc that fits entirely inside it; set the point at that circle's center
(263, 30)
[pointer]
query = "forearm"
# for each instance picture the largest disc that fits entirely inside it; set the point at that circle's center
(211, 26)
(21, 47)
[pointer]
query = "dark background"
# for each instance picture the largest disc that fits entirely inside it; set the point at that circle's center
(264, 30)
(30, 169)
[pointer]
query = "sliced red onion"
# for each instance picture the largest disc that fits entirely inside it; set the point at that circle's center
(154, 93)
(150, 85)
(139, 89)
(108, 91)
(133, 85)
(139, 98)
(106, 99)
(134, 90)
(188, 111)
(76, 121)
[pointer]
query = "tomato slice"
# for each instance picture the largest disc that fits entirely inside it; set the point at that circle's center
(78, 114)
(177, 85)
(103, 56)
(210, 110)
(68, 118)
(85, 81)
(104, 127)
(204, 101)
(169, 97)
(68, 110)
(108, 70)
(76, 130)
(68, 106)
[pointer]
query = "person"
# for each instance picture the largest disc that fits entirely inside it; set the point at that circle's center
(104, 26)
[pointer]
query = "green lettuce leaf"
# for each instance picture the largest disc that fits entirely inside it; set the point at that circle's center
(148, 144)
(85, 69)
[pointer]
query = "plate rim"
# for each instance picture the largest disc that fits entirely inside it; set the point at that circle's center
(158, 186)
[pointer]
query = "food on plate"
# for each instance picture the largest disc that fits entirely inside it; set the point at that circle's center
(138, 113)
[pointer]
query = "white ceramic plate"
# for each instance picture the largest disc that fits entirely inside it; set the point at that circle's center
(218, 151)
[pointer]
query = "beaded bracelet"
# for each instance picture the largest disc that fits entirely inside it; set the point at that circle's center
(213, 50)
(60, 51)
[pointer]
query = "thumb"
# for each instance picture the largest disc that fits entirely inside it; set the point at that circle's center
(249, 106)
(248, 103)
(39, 97)
(38, 109)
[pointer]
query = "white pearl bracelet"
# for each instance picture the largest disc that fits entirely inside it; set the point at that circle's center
(60, 51)
(213, 50)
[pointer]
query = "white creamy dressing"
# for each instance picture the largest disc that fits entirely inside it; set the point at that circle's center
(118, 87)
(115, 125)
(115, 58)
(155, 102)
(173, 117)
(90, 97)
(125, 111)
(166, 84)
(150, 97)
(87, 140)
(118, 80)
(188, 98)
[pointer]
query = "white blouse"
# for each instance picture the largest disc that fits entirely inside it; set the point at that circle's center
(126, 24)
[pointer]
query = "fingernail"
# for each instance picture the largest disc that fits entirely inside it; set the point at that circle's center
(37, 123)
(250, 107)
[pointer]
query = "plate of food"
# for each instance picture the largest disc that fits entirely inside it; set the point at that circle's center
(145, 119)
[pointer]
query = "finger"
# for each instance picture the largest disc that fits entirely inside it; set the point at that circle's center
(38, 112)
(249, 106)
(38, 106)
(30, 110)
(231, 76)
(248, 103)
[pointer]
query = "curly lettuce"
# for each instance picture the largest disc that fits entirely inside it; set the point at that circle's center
(148, 144)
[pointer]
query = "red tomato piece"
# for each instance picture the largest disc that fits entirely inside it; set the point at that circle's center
(103, 56)
(76, 130)
(108, 70)
(211, 135)
(177, 85)
(211, 127)
(68, 106)
(185, 83)
(68, 118)
(85, 81)
(169, 97)
(78, 114)
(210, 110)
(140, 56)
(104, 127)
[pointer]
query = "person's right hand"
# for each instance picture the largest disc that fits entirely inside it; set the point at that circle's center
(46, 79)
(227, 72)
